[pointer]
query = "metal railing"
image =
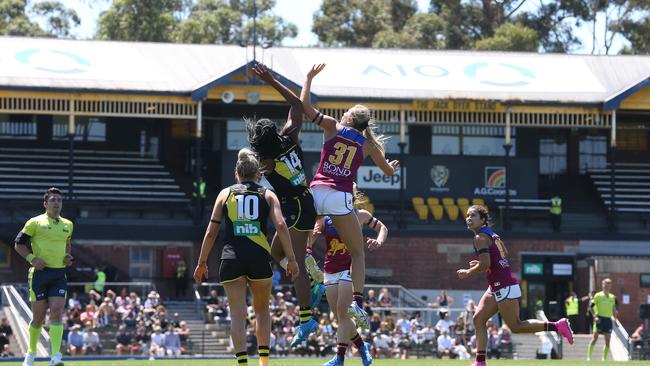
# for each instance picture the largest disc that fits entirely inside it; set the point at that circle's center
(20, 315)
(620, 343)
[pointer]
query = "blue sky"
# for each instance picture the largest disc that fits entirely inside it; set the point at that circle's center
(299, 12)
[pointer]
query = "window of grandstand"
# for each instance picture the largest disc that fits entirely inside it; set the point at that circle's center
(391, 133)
(645, 280)
(5, 255)
(445, 140)
(140, 264)
(470, 140)
(593, 153)
(18, 126)
(86, 129)
(552, 156)
(631, 140)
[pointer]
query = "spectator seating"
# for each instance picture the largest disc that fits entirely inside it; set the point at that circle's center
(632, 187)
(450, 208)
(97, 176)
(420, 208)
(436, 209)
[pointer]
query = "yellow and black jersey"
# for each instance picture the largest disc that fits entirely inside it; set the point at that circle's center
(245, 213)
(288, 177)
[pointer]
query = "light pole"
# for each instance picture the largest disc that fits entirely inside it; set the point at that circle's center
(507, 146)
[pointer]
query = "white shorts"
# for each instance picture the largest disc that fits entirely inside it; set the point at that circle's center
(510, 292)
(333, 279)
(329, 201)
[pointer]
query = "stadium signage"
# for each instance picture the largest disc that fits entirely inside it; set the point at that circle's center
(534, 268)
(370, 177)
(457, 105)
(495, 183)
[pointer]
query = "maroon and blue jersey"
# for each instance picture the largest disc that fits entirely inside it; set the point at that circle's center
(340, 159)
(338, 257)
(499, 275)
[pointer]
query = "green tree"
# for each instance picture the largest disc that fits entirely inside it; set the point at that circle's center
(638, 33)
(355, 23)
(510, 37)
(421, 31)
(135, 20)
(15, 19)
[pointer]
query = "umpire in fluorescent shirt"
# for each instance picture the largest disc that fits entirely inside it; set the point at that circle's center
(49, 235)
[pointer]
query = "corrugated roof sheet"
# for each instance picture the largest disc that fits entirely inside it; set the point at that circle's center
(387, 74)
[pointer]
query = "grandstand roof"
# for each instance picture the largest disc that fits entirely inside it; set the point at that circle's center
(382, 74)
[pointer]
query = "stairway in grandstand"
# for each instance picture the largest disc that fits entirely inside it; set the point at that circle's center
(207, 339)
(98, 176)
(632, 189)
(578, 351)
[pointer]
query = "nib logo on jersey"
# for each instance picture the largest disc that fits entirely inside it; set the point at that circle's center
(495, 182)
(246, 228)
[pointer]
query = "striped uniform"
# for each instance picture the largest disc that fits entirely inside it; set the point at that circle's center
(246, 251)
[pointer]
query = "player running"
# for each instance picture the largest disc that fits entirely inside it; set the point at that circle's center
(345, 145)
(603, 306)
(282, 164)
(503, 293)
(50, 236)
(245, 260)
(338, 282)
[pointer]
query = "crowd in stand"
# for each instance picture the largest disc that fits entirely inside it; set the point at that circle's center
(5, 335)
(392, 335)
(142, 327)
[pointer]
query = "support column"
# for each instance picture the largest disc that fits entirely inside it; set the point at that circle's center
(507, 146)
(402, 148)
(198, 163)
(612, 185)
(71, 134)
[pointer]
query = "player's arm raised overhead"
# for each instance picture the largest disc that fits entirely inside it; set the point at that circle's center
(201, 271)
(283, 233)
(327, 123)
(367, 218)
(294, 124)
(378, 157)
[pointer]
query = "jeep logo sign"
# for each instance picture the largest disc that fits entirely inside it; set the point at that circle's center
(371, 177)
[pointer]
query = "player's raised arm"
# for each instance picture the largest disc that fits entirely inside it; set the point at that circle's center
(378, 157)
(325, 122)
(294, 123)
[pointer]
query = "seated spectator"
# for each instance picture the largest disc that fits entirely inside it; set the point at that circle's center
(5, 327)
(90, 315)
(212, 306)
(91, 341)
(157, 347)
(172, 342)
(403, 324)
(4, 339)
(6, 352)
(183, 331)
(123, 341)
(372, 299)
(152, 302)
(281, 344)
(417, 320)
(75, 341)
(445, 345)
(505, 340)
(472, 345)
(375, 323)
(176, 322)
(444, 324)
(639, 336)
(106, 313)
(383, 344)
(251, 343)
(385, 300)
(428, 336)
(493, 344)
(459, 350)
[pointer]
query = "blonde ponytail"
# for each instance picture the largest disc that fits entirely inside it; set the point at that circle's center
(247, 167)
(362, 120)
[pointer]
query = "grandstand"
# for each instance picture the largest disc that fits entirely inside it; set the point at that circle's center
(130, 148)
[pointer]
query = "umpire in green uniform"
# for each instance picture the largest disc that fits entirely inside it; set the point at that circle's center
(49, 235)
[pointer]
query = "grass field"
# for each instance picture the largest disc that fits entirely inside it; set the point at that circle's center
(319, 362)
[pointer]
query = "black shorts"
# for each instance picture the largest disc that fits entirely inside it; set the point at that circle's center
(48, 282)
(603, 325)
(299, 212)
(252, 269)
